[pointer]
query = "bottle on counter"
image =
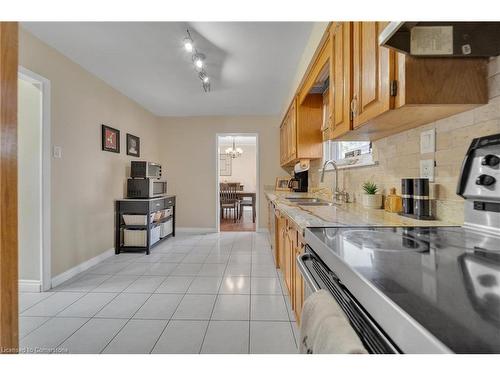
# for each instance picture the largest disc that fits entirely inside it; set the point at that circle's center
(393, 202)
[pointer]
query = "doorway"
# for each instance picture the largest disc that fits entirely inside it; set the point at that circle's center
(33, 181)
(237, 182)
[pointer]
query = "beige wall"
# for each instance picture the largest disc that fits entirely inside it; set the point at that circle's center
(244, 167)
(188, 156)
(399, 155)
(29, 193)
(86, 180)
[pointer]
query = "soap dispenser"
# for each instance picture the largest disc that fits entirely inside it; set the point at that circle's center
(393, 202)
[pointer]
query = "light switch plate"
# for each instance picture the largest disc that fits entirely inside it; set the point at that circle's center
(427, 169)
(57, 152)
(428, 141)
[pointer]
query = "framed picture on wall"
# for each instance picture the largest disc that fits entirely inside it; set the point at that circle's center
(225, 165)
(282, 184)
(133, 145)
(110, 139)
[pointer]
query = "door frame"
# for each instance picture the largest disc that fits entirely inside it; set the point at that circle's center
(45, 183)
(9, 317)
(257, 177)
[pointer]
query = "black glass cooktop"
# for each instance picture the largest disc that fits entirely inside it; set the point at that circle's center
(446, 278)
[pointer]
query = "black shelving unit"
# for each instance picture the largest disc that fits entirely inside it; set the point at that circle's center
(142, 207)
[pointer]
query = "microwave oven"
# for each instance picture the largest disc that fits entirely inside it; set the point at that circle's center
(145, 169)
(146, 188)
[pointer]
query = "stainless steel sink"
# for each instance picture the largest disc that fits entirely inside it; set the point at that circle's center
(305, 201)
(316, 204)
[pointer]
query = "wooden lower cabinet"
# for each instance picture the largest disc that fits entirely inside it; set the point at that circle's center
(280, 239)
(290, 244)
(298, 283)
(289, 258)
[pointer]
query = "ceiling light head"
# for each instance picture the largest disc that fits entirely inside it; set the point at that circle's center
(204, 77)
(188, 44)
(199, 60)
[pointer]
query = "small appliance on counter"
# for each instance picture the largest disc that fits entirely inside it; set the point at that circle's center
(146, 188)
(407, 194)
(421, 202)
(420, 289)
(299, 182)
(416, 198)
(145, 169)
(144, 181)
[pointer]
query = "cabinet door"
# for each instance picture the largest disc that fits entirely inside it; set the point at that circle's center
(298, 286)
(280, 233)
(292, 132)
(373, 69)
(341, 78)
(282, 144)
(289, 254)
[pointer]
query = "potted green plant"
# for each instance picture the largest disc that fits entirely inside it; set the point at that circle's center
(370, 198)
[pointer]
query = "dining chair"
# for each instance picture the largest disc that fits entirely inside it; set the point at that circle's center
(229, 199)
(246, 203)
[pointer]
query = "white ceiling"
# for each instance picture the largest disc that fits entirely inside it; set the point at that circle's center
(251, 64)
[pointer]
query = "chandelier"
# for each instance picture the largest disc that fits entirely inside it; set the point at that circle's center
(234, 152)
(198, 61)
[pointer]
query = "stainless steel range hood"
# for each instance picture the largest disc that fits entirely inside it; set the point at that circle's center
(443, 39)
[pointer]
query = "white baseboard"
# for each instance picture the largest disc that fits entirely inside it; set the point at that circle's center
(195, 230)
(72, 272)
(30, 286)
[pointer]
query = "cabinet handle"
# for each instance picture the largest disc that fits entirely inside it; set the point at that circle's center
(354, 105)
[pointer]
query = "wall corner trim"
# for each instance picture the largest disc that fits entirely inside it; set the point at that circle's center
(66, 275)
(34, 286)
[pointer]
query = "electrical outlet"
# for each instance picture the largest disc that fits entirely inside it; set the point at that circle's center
(428, 141)
(427, 169)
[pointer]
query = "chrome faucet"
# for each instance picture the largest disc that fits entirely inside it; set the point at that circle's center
(338, 196)
(334, 165)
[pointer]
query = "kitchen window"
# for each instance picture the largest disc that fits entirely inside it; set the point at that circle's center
(348, 154)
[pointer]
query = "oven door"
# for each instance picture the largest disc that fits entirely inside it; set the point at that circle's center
(157, 188)
(317, 276)
(153, 170)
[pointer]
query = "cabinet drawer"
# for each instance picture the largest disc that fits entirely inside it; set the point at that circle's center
(169, 202)
(158, 204)
(133, 207)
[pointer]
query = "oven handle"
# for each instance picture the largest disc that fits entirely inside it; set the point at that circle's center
(308, 277)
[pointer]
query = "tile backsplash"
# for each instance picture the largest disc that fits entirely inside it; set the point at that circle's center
(398, 156)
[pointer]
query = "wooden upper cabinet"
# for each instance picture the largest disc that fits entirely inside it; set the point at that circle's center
(300, 137)
(374, 92)
(292, 131)
(372, 73)
(283, 143)
(318, 67)
(393, 92)
(340, 78)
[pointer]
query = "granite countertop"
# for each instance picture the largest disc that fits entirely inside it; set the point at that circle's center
(347, 214)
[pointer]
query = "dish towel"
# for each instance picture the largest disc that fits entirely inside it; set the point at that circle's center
(325, 329)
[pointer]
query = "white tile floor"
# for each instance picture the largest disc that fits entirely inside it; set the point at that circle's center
(195, 293)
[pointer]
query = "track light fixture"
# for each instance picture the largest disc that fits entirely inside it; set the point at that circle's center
(198, 61)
